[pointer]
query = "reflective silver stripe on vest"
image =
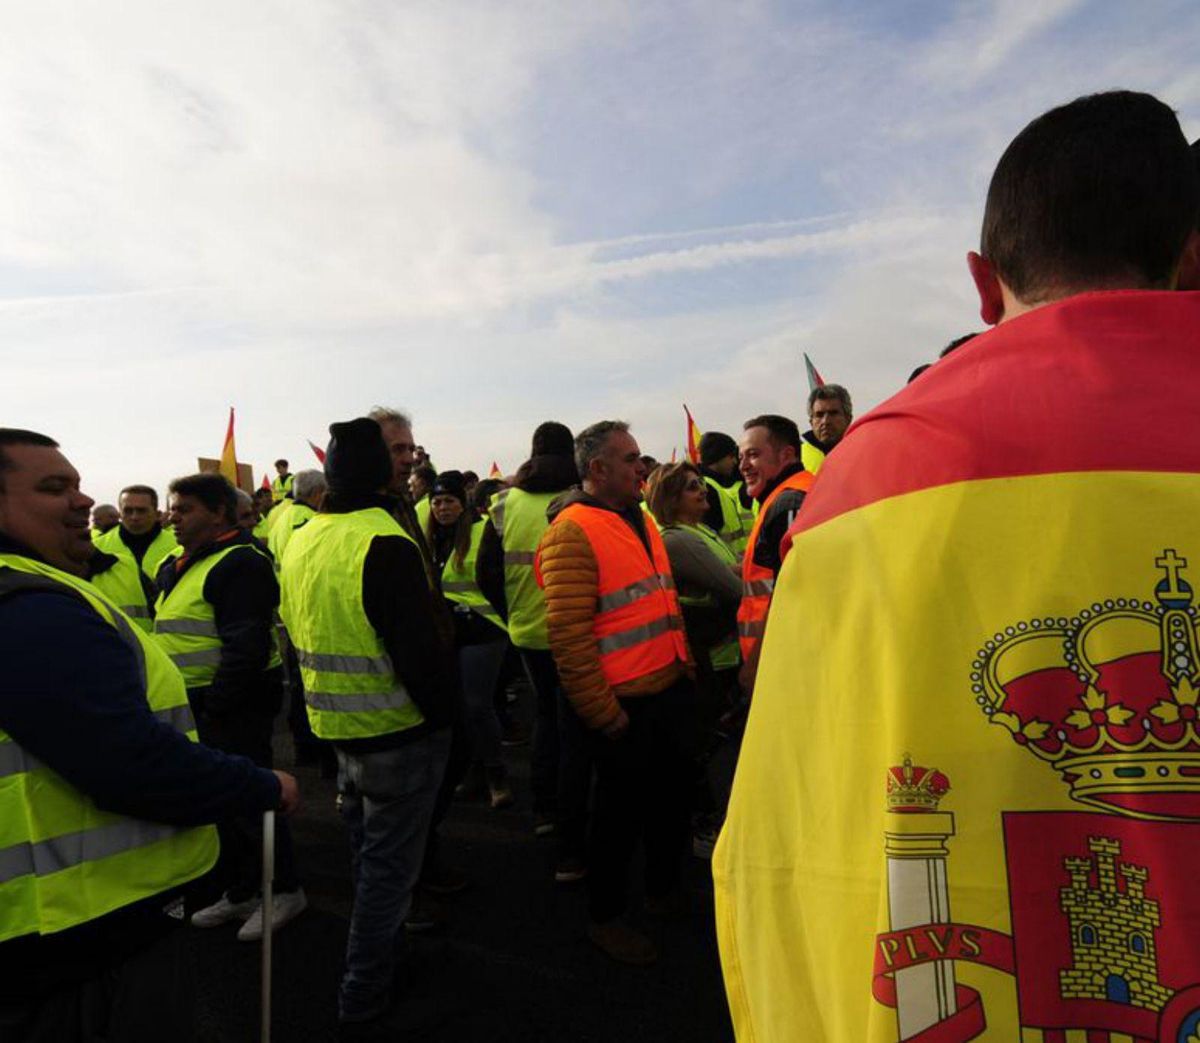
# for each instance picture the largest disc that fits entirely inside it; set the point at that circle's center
(208, 657)
(637, 635)
(194, 627)
(519, 557)
(634, 592)
(73, 849)
(344, 664)
(458, 586)
(752, 628)
(178, 717)
(136, 611)
(358, 702)
(757, 587)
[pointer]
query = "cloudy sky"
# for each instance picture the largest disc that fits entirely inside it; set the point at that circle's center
(492, 214)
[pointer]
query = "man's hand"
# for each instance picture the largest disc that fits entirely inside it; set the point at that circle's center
(617, 727)
(289, 792)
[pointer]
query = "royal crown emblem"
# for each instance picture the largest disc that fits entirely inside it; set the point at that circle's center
(915, 789)
(1108, 697)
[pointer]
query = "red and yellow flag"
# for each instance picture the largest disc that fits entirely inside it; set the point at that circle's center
(318, 452)
(694, 434)
(228, 465)
(266, 483)
(495, 472)
(968, 799)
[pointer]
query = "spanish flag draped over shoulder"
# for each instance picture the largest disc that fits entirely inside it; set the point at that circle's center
(968, 799)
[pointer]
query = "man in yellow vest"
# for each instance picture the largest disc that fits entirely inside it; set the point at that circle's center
(616, 632)
(103, 796)
(105, 517)
(282, 484)
(215, 618)
(140, 535)
(560, 768)
(829, 414)
(379, 683)
(770, 464)
(730, 512)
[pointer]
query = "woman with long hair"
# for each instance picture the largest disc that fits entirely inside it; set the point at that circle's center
(454, 531)
(707, 579)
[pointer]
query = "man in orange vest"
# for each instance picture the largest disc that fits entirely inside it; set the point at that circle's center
(616, 633)
(770, 464)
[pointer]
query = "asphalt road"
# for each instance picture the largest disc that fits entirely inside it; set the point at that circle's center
(512, 961)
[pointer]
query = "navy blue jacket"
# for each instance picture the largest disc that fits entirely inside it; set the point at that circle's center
(71, 695)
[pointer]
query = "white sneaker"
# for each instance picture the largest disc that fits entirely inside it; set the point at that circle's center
(222, 911)
(284, 907)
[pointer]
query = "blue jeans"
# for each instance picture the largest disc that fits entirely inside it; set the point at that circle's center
(387, 803)
(479, 666)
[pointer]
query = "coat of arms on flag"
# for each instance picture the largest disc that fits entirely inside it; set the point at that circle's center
(1103, 906)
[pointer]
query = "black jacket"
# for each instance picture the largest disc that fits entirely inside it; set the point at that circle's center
(778, 519)
(244, 595)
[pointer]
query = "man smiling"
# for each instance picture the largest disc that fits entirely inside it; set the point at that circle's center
(94, 749)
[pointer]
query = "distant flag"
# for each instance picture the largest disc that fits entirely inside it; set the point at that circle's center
(694, 435)
(674, 452)
(266, 483)
(495, 472)
(228, 466)
(320, 453)
(815, 379)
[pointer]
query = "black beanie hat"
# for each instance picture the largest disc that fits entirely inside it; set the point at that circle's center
(716, 445)
(553, 439)
(357, 460)
(450, 483)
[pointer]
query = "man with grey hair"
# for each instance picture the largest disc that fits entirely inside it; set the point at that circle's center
(616, 632)
(829, 414)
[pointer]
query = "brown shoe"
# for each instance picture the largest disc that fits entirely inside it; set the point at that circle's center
(622, 943)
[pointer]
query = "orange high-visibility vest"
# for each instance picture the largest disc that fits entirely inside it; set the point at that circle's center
(638, 625)
(758, 582)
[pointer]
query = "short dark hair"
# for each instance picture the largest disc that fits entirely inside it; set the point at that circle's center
(780, 430)
(426, 473)
(19, 436)
(824, 392)
(956, 343)
(1097, 191)
(281, 462)
(481, 495)
(142, 490)
(212, 490)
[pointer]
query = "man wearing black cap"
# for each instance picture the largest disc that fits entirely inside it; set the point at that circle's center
(729, 513)
(378, 682)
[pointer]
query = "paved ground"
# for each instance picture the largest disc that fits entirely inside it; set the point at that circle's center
(512, 962)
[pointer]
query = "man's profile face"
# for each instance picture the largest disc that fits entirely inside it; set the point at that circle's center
(194, 524)
(399, 440)
(618, 473)
(828, 420)
(760, 459)
(105, 517)
(138, 513)
(42, 507)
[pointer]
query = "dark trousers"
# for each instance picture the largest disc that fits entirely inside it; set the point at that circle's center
(643, 789)
(543, 767)
(246, 731)
(147, 998)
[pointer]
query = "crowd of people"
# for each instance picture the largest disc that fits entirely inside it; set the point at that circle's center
(149, 649)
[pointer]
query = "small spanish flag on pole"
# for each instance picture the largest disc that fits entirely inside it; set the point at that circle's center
(815, 380)
(266, 483)
(317, 450)
(694, 434)
(228, 466)
(495, 472)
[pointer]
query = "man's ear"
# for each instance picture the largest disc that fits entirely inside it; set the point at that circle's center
(1189, 264)
(987, 285)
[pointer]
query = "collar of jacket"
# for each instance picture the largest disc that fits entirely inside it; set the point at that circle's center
(778, 480)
